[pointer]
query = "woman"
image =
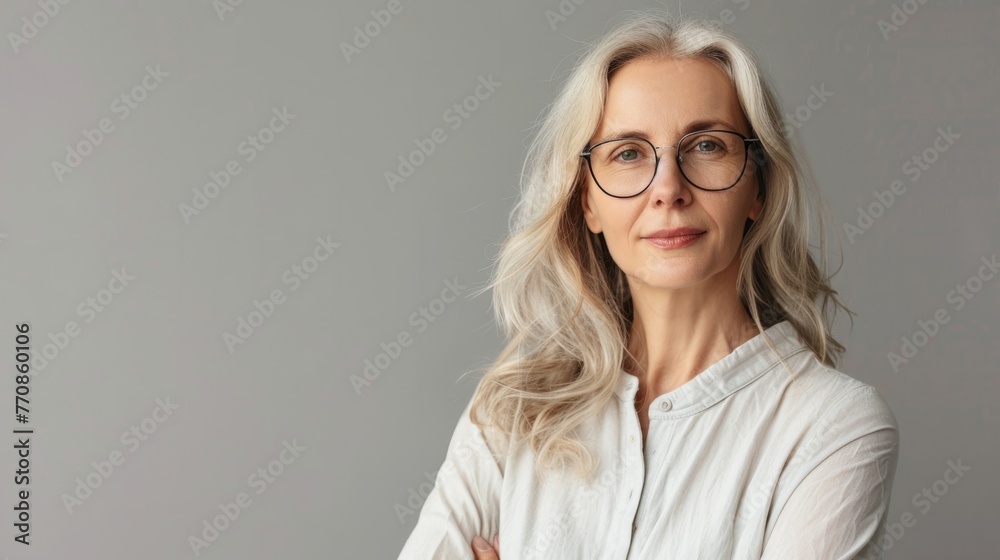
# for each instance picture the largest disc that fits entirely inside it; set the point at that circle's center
(670, 386)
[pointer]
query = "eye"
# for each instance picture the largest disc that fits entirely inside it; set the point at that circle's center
(710, 146)
(629, 154)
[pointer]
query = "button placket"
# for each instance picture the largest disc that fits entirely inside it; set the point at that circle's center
(634, 474)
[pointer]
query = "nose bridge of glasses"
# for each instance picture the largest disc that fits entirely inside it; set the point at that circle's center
(676, 153)
(657, 148)
(677, 156)
(677, 161)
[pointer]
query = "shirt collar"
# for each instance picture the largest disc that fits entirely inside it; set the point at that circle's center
(739, 368)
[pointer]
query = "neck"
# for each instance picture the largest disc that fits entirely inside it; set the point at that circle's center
(678, 333)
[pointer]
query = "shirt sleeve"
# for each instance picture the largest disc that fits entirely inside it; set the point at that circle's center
(838, 511)
(464, 502)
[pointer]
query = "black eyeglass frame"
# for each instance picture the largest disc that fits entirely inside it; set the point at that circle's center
(747, 142)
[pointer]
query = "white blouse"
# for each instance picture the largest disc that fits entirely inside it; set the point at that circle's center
(746, 460)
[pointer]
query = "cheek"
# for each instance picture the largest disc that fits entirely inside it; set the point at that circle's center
(735, 220)
(730, 214)
(619, 221)
(620, 233)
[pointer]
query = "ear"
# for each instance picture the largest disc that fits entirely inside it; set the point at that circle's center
(757, 208)
(593, 221)
(758, 203)
(758, 163)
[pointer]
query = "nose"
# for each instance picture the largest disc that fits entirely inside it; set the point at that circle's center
(669, 185)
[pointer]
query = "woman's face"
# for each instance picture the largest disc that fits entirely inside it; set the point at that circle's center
(665, 98)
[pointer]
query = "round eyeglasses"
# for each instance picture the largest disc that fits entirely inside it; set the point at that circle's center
(711, 160)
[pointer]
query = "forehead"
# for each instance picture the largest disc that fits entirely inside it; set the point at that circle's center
(663, 95)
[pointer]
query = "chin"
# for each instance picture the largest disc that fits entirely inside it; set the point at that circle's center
(673, 279)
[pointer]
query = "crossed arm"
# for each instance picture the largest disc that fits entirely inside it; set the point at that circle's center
(837, 511)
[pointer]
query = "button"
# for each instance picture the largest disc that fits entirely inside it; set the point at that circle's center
(665, 405)
(631, 438)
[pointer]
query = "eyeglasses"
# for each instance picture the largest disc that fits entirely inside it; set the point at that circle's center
(711, 160)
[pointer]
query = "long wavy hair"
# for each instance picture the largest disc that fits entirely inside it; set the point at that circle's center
(565, 306)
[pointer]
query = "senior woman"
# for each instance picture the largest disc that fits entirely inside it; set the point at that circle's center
(669, 389)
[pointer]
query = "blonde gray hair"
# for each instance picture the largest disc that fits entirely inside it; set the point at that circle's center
(563, 303)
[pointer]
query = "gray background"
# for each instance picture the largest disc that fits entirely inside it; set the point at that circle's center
(323, 176)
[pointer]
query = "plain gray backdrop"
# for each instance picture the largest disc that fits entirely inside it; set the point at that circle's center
(148, 289)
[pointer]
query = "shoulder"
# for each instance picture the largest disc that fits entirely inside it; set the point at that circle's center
(478, 443)
(831, 394)
(802, 382)
(822, 410)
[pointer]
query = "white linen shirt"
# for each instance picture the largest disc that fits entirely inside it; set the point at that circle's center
(747, 460)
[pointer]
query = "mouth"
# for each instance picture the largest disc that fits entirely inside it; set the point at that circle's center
(674, 238)
(674, 232)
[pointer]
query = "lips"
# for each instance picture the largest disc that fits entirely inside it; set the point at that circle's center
(673, 232)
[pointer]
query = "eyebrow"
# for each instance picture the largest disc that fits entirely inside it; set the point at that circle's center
(691, 127)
